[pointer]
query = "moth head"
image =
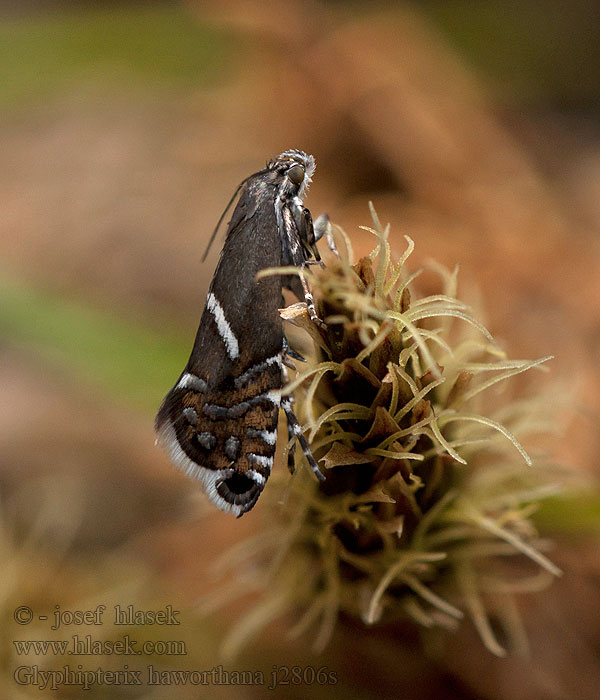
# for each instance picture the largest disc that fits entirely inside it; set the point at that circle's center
(296, 167)
(296, 174)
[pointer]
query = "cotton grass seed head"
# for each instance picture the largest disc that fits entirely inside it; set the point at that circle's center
(426, 508)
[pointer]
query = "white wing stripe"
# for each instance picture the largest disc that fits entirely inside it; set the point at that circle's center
(227, 335)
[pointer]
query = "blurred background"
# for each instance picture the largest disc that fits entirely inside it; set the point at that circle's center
(124, 128)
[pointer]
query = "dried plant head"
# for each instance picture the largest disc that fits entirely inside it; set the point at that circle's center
(426, 510)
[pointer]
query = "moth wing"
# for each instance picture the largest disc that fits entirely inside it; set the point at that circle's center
(219, 422)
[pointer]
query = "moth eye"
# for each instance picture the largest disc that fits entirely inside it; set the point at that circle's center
(296, 174)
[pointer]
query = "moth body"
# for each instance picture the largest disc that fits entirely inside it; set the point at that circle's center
(219, 422)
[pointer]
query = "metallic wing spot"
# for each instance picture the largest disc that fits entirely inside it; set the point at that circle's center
(227, 335)
(207, 440)
(232, 447)
(191, 381)
(257, 369)
(238, 409)
(273, 397)
(190, 415)
(215, 412)
(268, 436)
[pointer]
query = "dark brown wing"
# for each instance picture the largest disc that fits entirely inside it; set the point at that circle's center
(219, 422)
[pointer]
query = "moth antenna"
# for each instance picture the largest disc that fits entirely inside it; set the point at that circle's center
(227, 208)
(220, 221)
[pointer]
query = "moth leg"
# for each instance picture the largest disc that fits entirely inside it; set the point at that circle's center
(286, 377)
(295, 429)
(293, 426)
(301, 225)
(310, 304)
(303, 222)
(322, 227)
(292, 451)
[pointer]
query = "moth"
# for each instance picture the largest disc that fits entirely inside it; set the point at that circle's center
(219, 422)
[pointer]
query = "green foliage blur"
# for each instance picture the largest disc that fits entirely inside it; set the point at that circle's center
(150, 45)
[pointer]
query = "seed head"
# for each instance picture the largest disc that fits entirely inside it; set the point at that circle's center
(426, 508)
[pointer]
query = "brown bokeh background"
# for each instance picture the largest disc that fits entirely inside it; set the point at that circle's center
(124, 128)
